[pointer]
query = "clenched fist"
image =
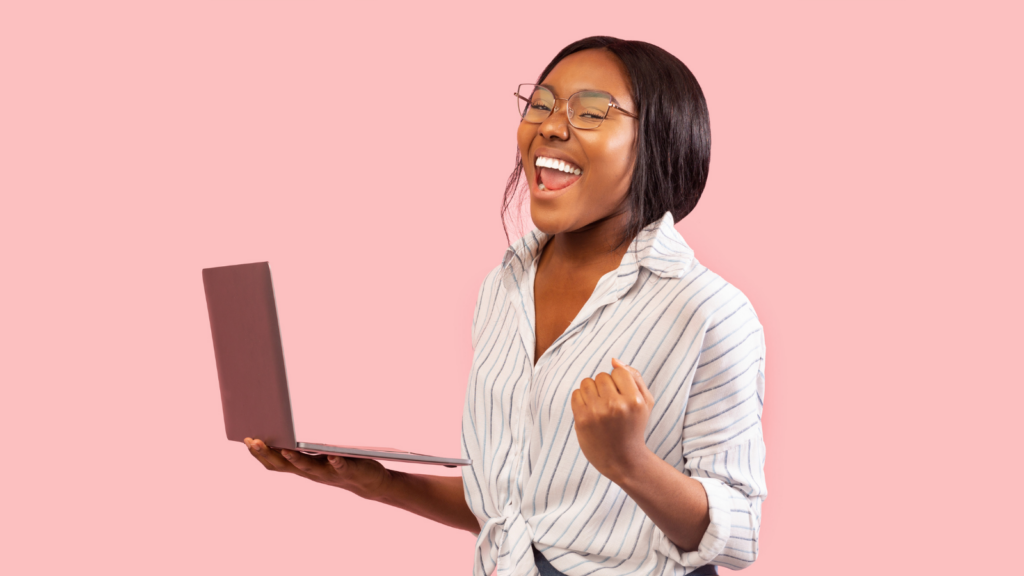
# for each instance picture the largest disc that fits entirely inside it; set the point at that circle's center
(611, 412)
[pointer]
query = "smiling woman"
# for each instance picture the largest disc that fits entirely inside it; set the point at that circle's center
(655, 465)
(664, 154)
(613, 409)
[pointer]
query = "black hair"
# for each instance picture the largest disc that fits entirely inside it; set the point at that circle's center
(673, 139)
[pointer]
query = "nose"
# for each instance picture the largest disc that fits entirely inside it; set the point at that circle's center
(556, 125)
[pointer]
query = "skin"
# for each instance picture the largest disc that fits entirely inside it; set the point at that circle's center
(440, 498)
(588, 218)
(611, 409)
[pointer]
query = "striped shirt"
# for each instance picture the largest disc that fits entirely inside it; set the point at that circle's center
(698, 345)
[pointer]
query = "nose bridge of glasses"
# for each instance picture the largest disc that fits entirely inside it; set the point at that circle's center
(568, 109)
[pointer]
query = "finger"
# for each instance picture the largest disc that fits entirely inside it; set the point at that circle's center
(274, 458)
(588, 389)
(634, 377)
(642, 385)
(606, 387)
(580, 410)
(627, 384)
(576, 400)
(252, 450)
(338, 463)
(259, 454)
(304, 463)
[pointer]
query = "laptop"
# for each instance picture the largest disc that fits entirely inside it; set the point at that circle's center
(250, 367)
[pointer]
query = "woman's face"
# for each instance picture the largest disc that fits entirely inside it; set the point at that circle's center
(604, 154)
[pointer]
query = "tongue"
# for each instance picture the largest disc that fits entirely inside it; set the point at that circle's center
(556, 179)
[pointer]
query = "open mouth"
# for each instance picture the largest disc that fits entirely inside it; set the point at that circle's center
(553, 174)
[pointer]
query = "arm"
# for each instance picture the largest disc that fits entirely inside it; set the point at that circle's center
(722, 446)
(611, 412)
(439, 498)
(676, 503)
(713, 516)
(710, 510)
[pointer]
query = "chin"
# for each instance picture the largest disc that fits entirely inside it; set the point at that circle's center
(548, 219)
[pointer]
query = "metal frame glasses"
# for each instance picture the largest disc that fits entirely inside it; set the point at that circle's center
(586, 109)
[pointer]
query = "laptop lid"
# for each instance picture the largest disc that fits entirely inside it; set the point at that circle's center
(250, 359)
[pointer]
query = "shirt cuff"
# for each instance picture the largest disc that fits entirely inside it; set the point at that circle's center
(715, 537)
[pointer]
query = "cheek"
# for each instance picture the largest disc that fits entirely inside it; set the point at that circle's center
(612, 156)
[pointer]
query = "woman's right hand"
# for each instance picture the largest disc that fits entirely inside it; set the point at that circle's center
(363, 477)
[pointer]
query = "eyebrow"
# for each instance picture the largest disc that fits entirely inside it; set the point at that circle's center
(552, 88)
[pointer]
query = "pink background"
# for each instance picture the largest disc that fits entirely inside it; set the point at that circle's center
(865, 193)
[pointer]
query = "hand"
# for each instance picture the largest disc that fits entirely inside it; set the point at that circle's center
(611, 413)
(361, 476)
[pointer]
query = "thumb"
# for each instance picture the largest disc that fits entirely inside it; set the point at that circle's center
(337, 462)
(636, 378)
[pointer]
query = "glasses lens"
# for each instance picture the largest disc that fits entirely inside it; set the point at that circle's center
(588, 109)
(538, 104)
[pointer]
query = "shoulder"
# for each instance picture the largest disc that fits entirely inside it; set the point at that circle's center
(486, 298)
(708, 302)
(490, 283)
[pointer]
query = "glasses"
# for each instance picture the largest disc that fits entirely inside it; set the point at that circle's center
(586, 109)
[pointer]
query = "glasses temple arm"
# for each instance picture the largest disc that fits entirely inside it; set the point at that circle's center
(621, 109)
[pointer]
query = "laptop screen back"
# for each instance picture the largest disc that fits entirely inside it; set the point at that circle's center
(250, 360)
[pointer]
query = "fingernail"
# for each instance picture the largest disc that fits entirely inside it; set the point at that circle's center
(286, 454)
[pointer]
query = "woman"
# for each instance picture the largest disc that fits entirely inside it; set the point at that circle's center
(583, 463)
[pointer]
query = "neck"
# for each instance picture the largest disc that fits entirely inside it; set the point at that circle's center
(591, 245)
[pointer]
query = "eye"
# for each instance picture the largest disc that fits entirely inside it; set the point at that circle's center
(540, 106)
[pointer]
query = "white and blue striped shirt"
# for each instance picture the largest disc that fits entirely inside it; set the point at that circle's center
(698, 345)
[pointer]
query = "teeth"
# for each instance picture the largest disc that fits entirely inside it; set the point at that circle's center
(552, 163)
(542, 186)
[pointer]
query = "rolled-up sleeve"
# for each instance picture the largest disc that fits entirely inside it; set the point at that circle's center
(722, 443)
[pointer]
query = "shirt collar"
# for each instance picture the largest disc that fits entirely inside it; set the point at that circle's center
(658, 247)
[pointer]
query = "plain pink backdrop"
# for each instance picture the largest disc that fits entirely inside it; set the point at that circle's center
(865, 193)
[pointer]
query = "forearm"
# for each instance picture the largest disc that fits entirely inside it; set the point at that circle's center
(439, 498)
(676, 503)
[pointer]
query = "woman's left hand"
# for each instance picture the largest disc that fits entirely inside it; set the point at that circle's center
(611, 412)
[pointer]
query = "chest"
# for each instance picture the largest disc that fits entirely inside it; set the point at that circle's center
(556, 304)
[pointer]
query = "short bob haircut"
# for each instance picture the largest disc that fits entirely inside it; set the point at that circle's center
(673, 139)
